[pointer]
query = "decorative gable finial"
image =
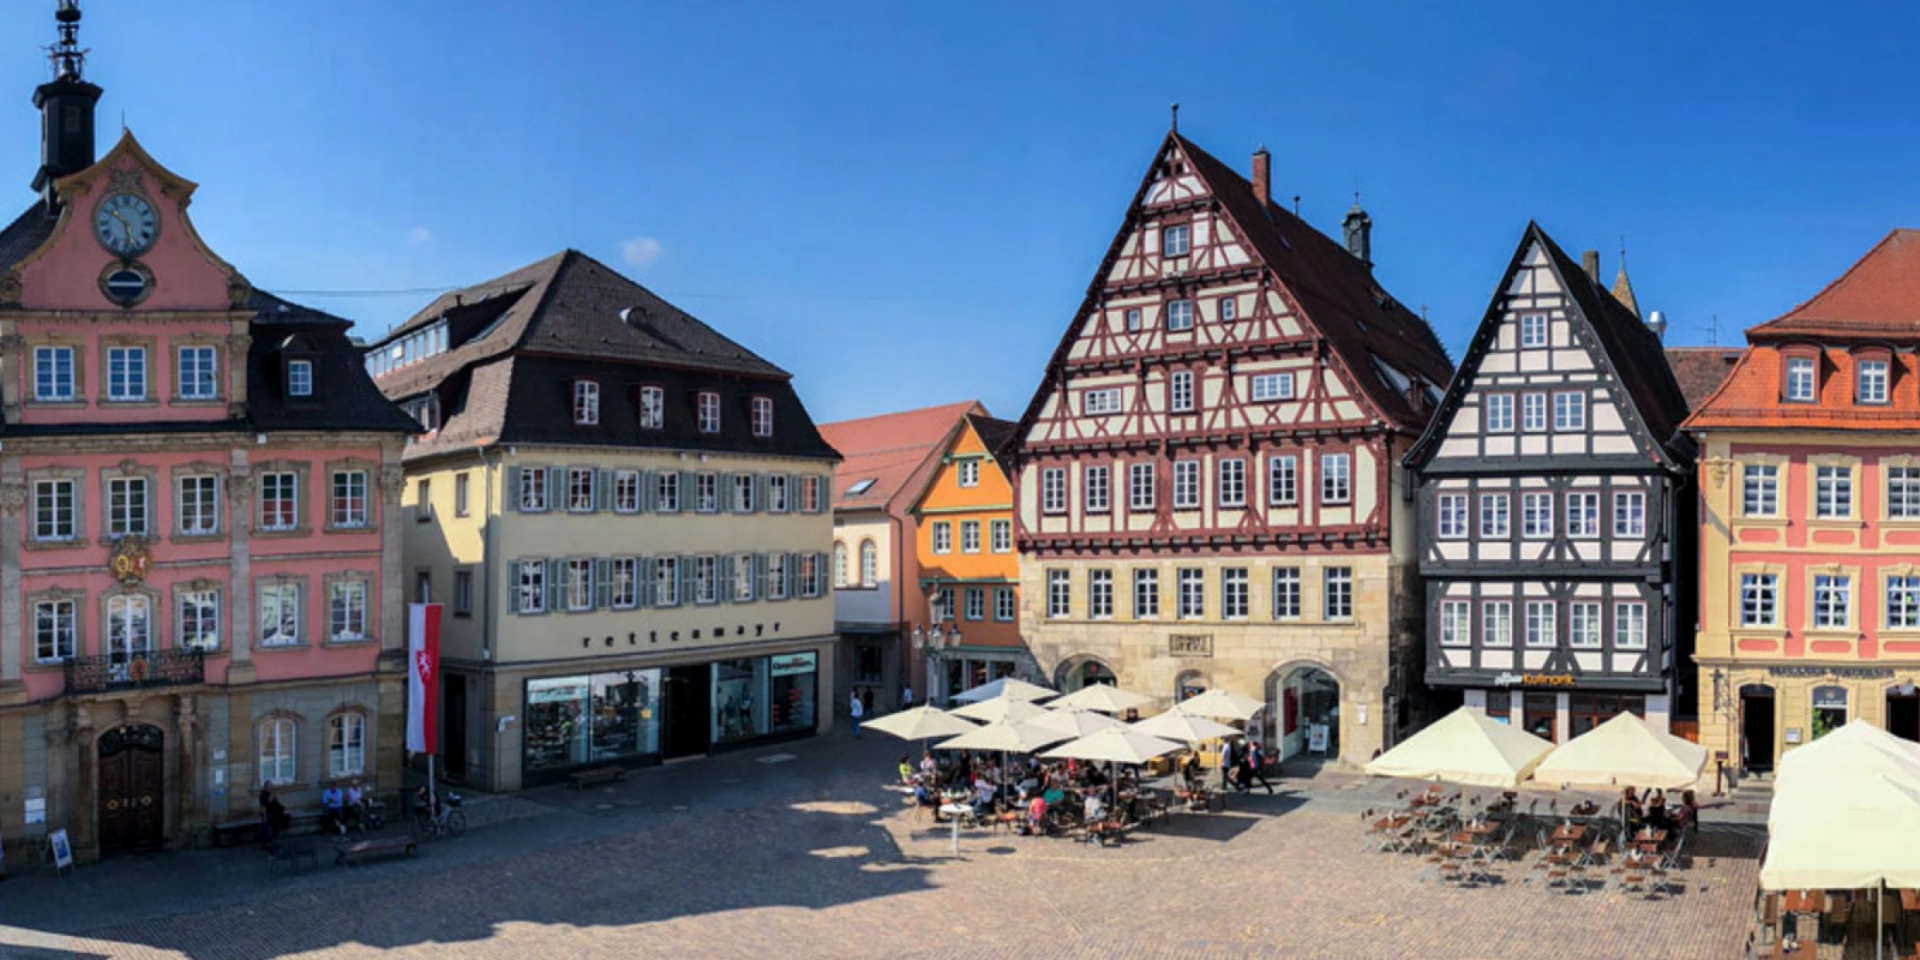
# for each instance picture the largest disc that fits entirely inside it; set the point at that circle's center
(1174, 127)
(68, 59)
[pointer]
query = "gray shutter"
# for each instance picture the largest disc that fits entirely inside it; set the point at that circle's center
(687, 585)
(729, 503)
(724, 571)
(793, 493)
(603, 583)
(556, 488)
(556, 588)
(603, 490)
(649, 497)
(759, 493)
(513, 489)
(645, 570)
(689, 491)
(513, 586)
(759, 561)
(793, 573)
(826, 494)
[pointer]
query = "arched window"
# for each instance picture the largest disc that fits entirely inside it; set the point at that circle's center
(347, 744)
(274, 740)
(839, 565)
(869, 564)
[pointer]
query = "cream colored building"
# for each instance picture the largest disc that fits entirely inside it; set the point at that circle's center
(1207, 490)
(628, 537)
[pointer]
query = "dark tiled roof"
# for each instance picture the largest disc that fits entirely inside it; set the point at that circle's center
(568, 303)
(994, 435)
(1336, 290)
(520, 340)
(344, 396)
(1700, 370)
(1632, 347)
(25, 234)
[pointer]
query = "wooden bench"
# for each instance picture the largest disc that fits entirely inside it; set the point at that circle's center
(235, 830)
(344, 854)
(587, 778)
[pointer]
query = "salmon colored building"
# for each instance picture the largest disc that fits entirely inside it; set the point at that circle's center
(199, 553)
(968, 568)
(1810, 519)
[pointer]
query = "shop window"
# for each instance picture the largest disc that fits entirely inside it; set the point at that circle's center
(1829, 710)
(740, 699)
(592, 719)
(794, 691)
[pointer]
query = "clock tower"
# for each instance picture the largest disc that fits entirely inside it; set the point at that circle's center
(66, 108)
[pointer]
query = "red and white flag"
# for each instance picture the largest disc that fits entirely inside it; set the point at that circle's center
(423, 676)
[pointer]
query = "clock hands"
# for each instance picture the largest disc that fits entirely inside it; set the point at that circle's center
(126, 229)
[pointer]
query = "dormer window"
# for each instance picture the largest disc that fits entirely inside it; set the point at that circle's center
(300, 378)
(424, 409)
(709, 411)
(763, 416)
(1800, 379)
(1173, 240)
(653, 408)
(586, 402)
(1870, 381)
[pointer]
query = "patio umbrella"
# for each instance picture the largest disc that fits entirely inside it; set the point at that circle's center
(1221, 705)
(921, 723)
(1624, 751)
(1118, 745)
(1101, 697)
(1000, 708)
(1465, 746)
(1007, 737)
(1074, 723)
(1177, 724)
(1009, 688)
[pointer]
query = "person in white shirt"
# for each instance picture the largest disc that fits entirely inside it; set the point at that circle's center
(854, 707)
(906, 698)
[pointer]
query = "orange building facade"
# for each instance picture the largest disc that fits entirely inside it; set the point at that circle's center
(968, 569)
(1810, 519)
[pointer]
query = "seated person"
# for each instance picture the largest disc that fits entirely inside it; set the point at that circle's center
(1096, 808)
(1190, 772)
(927, 767)
(1095, 777)
(356, 801)
(906, 770)
(333, 801)
(1036, 816)
(923, 797)
(984, 794)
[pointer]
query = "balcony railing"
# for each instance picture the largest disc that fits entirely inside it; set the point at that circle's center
(158, 668)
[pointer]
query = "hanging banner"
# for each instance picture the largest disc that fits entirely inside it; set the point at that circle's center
(423, 676)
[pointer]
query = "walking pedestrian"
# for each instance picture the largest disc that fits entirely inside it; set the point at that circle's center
(906, 697)
(1256, 758)
(1227, 757)
(858, 709)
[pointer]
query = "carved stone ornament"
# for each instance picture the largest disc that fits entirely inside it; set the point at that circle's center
(125, 178)
(130, 560)
(239, 291)
(10, 291)
(1717, 470)
(393, 480)
(13, 499)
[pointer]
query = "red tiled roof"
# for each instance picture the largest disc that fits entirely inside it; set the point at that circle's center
(1701, 370)
(888, 449)
(1878, 297)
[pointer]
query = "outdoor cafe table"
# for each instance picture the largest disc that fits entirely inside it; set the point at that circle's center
(1650, 840)
(1804, 950)
(954, 812)
(1570, 834)
(1804, 901)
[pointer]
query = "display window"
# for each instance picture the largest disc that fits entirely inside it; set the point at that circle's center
(794, 685)
(739, 699)
(556, 726)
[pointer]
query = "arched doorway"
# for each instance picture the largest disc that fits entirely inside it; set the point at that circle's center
(1189, 684)
(1305, 704)
(132, 795)
(1756, 728)
(1077, 672)
(1830, 711)
(1903, 711)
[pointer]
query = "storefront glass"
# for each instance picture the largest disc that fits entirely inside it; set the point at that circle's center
(794, 687)
(556, 724)
(626, 714)
(739, 699)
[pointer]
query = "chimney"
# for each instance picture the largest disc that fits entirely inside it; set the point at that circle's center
(1262, 177)
(66, 107)
(1658, 321)
(1590, 262)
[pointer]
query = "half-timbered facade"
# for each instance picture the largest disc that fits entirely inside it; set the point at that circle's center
(1204, 478)
(1551, 490)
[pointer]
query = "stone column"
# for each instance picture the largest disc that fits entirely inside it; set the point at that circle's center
(86, 767)
(240, 585)
(189, 812)
(393, 590)
(13, 502)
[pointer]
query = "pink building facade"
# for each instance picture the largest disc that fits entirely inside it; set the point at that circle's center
(199, 525)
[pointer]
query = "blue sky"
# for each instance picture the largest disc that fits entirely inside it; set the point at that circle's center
(903, 203)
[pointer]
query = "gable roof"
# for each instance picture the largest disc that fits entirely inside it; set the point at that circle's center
(994, 435)
(568, 303)
(1335, 292)
(1701, 370)
(1876, 298)
(888, 450)
(26, 233)
(344, 395)
(1629, 347)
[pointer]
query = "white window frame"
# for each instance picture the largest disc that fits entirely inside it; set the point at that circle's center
(197, 619)
(1286, 593)
(53, 374)
(1190, 593)
(1336, 478)
(1232, 482)
(1629, 625)
(1499, 412)
(1270, 387)
(586, 403)
(1585, 628)
(1832, 601)
(653, 408)
(56, 511)
(1543, 620)
(1337, 594)
(1100, 594)
(300, 383)
(347, 744)
(1759, 490)
(126, 497)
(1186, 484)
(1283, 480)
(1006, 605)
(1533, 330)
(708, 405)
(627, 497)
(1800, 380)
(1903, 493)
(127, 378)
(1536, 516)
(1235, 593)
(1583, 514)
(1533, 412)
(1098, 494)
(1903, 603)
(348, 505)
(533, 490)
(347, 610)
(1832, 492)
(969, 536)
(1629, 514)
(1146, 593)
(278, 599)
(968, 473)
(1179, 315)
(1870, 382)
(1569, 411)
(1180, 391)
(530, 580)
(1456, 623)
(55, 630)
(942, 536)
(1759, 599)
(277, 756)
(1228, 309)
(580, 490)
(1059, 594)
(1175, 240)
(1496, 623)
(1450, 516)
(1000, 536)
(1053, 490)
(762, 416)
(198, 373)
(1496, 519)
(1101, 402)
(1141, 496)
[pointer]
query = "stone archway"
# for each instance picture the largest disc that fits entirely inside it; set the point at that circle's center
(1083, 670)
(1303, 715)
(1189, 684)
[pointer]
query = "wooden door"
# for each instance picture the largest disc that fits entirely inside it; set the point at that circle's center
(132, 794)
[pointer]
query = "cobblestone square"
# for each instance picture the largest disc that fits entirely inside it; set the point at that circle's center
(802, 851)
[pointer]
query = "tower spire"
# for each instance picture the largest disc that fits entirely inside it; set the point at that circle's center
(1622, 287)
(69, 61)
(66, 105)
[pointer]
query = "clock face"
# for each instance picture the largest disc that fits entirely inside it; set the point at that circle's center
(126, 224)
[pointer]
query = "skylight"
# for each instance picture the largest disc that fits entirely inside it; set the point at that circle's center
(860, 487)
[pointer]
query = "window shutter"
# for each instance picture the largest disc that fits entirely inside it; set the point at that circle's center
(556, 488)
(792, 572)
(793, 493)
(649, 498)
(689, 491)
(826, 496)
(603, 490)
(513, 489)
(643, 592)
(556, 589)
(759, 493)
(724, 569)
(759, 561)
(687, 594)
(513, 584)
(603, 583)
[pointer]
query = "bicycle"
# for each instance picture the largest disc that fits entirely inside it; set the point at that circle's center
(449, 822)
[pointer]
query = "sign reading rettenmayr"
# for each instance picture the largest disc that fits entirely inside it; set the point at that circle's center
(788, 664)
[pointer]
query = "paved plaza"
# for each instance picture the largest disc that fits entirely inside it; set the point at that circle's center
(802, 851)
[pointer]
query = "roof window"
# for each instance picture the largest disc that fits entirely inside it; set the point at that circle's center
(860, 486)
